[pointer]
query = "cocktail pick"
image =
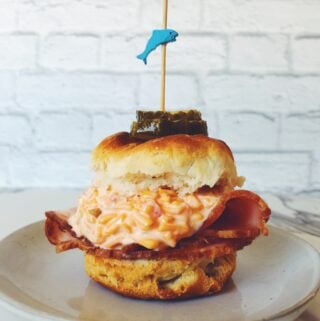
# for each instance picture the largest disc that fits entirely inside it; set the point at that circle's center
(160, 37)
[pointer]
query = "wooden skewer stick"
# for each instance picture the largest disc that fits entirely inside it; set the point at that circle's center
(164, 59)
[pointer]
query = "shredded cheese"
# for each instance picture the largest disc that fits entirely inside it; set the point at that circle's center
(153, 219)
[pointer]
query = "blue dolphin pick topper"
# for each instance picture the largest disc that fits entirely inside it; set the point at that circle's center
(159, 37)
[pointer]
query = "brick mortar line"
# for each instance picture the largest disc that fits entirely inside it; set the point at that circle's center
(60, 112)
(254, 34)
(100, 58)
(306, 191)
(312, 164)
(14, 113)
(44, 71)
(267, 73)
(200, 88)
(39, 48)
(185, 72)
(18, 33)
(22, 189)
(264, 113)
(74, 34)
(198, 82)
(138, 90)
(64, 150)
(20, 70)
(229, 39)
(134, 34)
(308, 113)
(217, 123)
(105, 72)
(15, 87)
(273, 151)
(289, 54)
(303, 36)
(279, 132)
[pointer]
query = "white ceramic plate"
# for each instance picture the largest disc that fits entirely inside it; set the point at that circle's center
(276, 278)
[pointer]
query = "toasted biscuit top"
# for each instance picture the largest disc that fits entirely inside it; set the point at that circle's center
(179, 161)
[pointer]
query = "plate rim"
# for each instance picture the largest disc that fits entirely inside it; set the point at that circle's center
(19, 309)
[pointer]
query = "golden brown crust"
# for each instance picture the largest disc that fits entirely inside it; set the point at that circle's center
(122, 144)
(180, 159)
(161, 279)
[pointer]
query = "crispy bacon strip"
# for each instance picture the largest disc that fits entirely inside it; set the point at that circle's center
(59, 233)
(240, 213)
(234, 223)
(209, 249)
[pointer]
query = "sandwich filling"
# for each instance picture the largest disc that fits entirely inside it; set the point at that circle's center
(153, 219)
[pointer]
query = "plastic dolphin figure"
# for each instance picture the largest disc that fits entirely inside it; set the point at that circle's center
(159, 37)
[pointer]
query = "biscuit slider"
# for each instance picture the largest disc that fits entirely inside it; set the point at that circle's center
(163, 218)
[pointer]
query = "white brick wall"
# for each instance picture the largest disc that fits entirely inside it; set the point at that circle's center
(259, 53)
(7, 15)
(18, 51)
(70, 51)
(15, 131)
(250, 130)
(292, 16)
(284, 171)
(305, 51)
(86, 91)
(182, 91)
(69, 77)
(7, 89)
(62, 132)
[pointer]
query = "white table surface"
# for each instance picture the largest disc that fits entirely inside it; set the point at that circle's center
(24, 207)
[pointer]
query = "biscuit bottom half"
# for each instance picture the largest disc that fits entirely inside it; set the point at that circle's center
(161, 279)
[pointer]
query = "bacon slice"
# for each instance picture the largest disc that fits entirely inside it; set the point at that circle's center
(239, 213)
(234, 223)
(60, 233)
